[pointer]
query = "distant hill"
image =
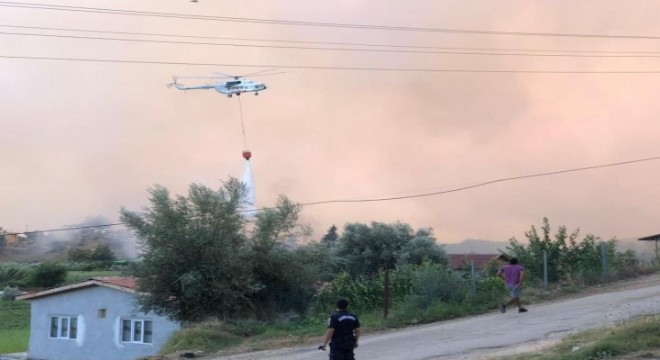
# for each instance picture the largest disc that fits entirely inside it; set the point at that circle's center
(476, 246)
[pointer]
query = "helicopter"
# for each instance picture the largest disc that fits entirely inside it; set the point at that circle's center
(235, 86)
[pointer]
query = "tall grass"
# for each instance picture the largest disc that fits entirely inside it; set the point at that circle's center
(14, 341)
(14, 326)
(640, 336)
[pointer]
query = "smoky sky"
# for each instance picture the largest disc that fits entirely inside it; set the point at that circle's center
(79, 139)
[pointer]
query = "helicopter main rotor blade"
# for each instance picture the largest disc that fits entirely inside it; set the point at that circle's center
(277, 73)
(226, 75)
(259, 72)
(202, 77)
(245, 75)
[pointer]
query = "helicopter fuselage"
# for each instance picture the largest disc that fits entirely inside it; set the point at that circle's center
(237, 87)
(229, 88)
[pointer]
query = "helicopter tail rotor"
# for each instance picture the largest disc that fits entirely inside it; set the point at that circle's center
(174, 82)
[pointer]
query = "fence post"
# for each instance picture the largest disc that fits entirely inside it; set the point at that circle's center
(603, 258)
(474, 281)
(545, 270)
(386, 293)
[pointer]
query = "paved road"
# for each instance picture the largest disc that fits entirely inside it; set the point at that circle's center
(493, 334)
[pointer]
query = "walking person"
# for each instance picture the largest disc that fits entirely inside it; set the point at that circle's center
(513, 275)
(343, 333)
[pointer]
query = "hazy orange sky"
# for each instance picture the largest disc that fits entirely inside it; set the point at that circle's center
(80, 139)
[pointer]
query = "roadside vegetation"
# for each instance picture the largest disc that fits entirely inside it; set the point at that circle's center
(270, 293)
(241, 282)
(637, 338)
(14, 326)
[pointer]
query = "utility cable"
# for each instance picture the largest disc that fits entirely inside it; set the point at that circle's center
(396, 46)
(435, 193)
(82, 9)
(434, 52)
(346, 68)
(428, 194)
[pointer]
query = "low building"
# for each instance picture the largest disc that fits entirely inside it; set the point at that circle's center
(95, 319)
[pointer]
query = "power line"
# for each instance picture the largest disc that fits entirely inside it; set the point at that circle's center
(380, 199)
(435, 52)
(345, 68)
(325, 42)
(483, 183)
(310, 23)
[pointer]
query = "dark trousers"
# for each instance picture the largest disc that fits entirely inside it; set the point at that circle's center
(339, 354)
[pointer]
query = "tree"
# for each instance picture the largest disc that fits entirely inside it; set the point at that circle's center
(331, 236)
(195, 259)
(285, 280)
(103, 254)
(568, 257)
(202, 258)
(369, 249)
(422, 247)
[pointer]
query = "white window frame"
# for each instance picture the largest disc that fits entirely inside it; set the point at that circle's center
(137, 331)
(66, 327)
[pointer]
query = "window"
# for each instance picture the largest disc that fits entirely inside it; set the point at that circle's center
(136, 331)
(63, 327)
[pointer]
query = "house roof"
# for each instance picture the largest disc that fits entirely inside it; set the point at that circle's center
(458, 261)
(652, 237)
(126, 284)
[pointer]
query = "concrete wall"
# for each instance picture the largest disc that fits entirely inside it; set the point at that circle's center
(98, 338)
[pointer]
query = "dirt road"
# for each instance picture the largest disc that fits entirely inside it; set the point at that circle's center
(494, 334)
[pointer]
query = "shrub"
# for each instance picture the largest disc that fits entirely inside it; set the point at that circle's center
(433, 282)
(13, 275)
(10, 293)
(365, 293)
(490, 291)
(48, 275)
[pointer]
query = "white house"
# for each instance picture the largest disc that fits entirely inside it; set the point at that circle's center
(97, 319)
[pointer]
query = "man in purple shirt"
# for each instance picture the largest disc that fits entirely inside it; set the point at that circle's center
(513, 275)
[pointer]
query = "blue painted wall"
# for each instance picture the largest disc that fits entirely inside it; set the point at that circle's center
(99, 338)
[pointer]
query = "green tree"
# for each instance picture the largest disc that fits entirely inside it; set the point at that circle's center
(103, 254)
(195, 260)
(331, 236)
(531, 256)
(201, 257)
(422, 247)
(568, 257)
(282, 273)
(368, 249)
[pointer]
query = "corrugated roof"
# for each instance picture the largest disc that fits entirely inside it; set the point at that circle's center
(126, 284)
(652, 237)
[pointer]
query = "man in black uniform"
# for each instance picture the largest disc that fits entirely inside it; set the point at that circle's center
(343, 333)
